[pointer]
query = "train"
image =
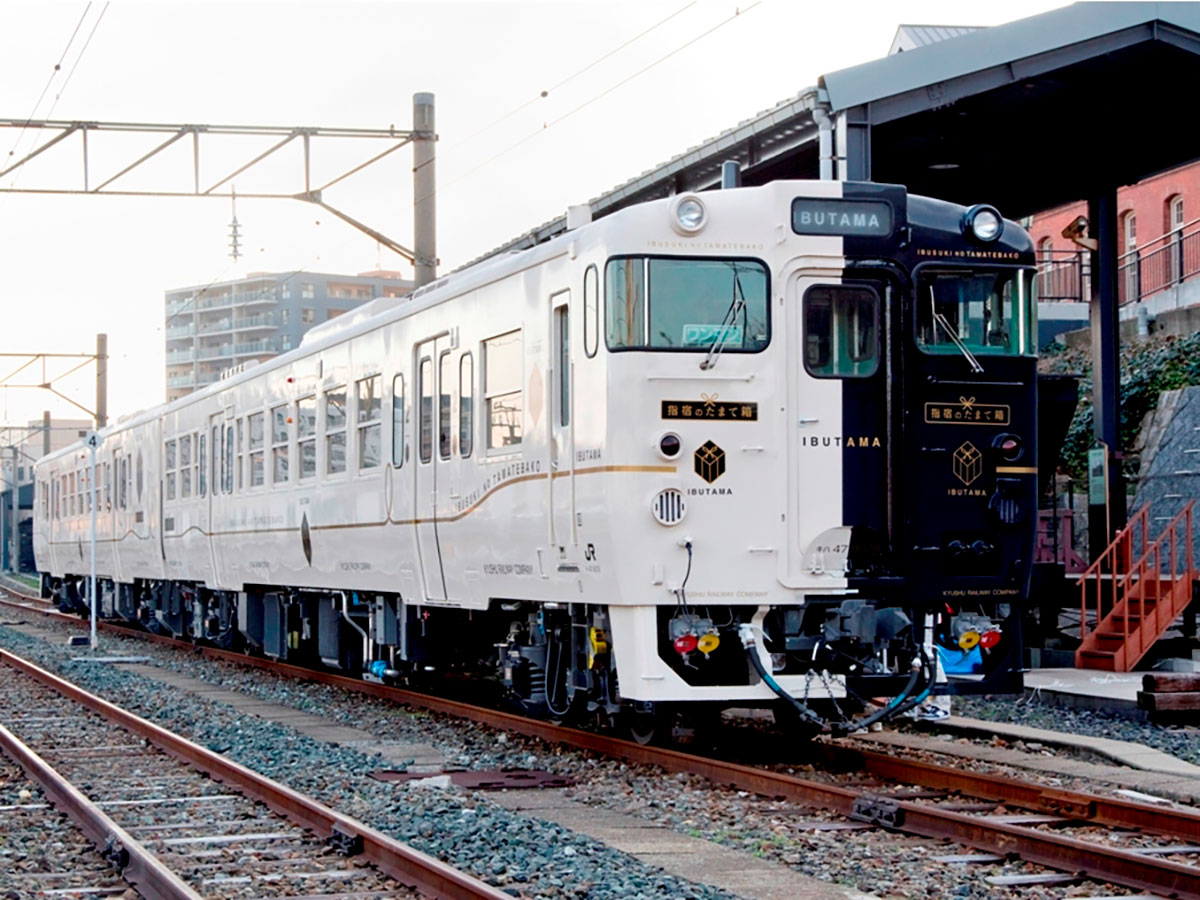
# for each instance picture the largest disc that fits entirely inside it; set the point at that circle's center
(769, 446)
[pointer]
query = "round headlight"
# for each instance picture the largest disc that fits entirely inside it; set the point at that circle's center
(688, 215)
(983, 223)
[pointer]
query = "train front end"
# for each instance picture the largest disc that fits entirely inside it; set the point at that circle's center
(841, 379)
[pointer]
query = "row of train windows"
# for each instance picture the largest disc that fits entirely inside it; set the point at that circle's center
(68, 495)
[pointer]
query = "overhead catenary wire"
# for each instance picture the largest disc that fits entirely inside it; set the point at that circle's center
(75, 65)
(50, 80)
(738, 13)
(554, 87)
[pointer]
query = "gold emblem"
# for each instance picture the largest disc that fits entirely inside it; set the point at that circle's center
(710, 462)
(968, 463)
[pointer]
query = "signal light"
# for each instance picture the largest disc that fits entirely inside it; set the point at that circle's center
(708, 643)
(989, 639)
(685, 643)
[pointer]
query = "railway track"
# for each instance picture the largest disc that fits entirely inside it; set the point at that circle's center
(180, 822)
(1136, 845)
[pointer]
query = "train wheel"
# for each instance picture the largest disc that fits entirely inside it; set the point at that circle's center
(648, 723)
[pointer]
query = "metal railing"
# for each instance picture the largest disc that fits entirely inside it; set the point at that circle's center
(1163, 263)
(264, 321)
(1061, 275)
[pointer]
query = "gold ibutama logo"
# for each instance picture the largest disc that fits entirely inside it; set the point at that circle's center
(968, 463)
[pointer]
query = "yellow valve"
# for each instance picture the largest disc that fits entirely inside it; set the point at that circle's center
(708, 643)
(969, 640)
(597, 644)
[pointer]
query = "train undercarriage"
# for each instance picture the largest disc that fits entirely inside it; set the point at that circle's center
(859, 662)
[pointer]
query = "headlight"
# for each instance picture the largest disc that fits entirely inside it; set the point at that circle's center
(688, 215)
(983, 223)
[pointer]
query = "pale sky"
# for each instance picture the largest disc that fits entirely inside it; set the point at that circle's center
(73, 266)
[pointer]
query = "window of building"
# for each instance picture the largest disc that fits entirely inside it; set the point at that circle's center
(185, 466)
(398, 421)
(306, 434)
(257, 470)
(445, 383)
(285, 292)
(841, 331)
(308, 315)
(285, 342)
(502, 377)
(285, 316)
(591, 311)
(307, 291)
(169, 467)
(368, 417)
(425, 392)
(279, 445)
(333, 313)
(335, 430)
(1046, 250)
(1129, 228)
(466, 401)
(686, 304)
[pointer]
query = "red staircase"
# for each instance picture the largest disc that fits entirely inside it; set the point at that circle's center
(1136, 589)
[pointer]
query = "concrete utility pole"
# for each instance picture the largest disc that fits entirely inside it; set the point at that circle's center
(45, 432)
(101, 380)
(424, 190)
(14, 555)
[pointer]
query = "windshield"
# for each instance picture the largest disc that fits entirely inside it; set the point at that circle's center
(984, 312)
(686, 304)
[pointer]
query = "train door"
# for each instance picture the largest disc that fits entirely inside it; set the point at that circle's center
(429, 465)
(838, 415)
(561, 483)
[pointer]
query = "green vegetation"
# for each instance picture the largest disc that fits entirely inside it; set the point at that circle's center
(1148, 368)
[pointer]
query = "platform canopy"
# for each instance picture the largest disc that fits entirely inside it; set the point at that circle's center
(1026, 116)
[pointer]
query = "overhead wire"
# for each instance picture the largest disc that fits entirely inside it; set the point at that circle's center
(624, 81)
(50, 80)
(75, 65)
(554, 87)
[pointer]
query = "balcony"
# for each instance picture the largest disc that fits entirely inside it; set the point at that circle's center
(219, 351)
(253, 348)
(207, 378)
(216, 326)
(255, 298)
(251, 322)
(217, 302)
(180, 357)
(176, 332)
(181, 381)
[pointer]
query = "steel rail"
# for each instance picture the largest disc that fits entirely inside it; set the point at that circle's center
(1050, 849)
(411, 867)
(137, 865)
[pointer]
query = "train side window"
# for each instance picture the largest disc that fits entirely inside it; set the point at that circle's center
(503, 401)
(562, 323)
(306, 433)
(214, 470)
(425, 391)
(625, 302)
(141, 476)
(107, 486)
(227, 461)
(398, 421)
(841, 331)
(257, 470)
(185, 466)
(335, 430)
(368, 412)
(279, 445)
(169, 464)
(71, 491)
(240, 452)
(201, 461)
(198, 463)
(466, 401)
(591, 311)
(445, 382)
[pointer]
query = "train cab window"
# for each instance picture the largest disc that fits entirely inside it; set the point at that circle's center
(445, 383)
(279, 445)
(425, 390)
(398, 421)
(687, 304)
(335, 431)
(306, 434)
(591, 311)
(841, 331)
(254, 423)
(368, 413)
(502, 397)
(169, 464)
(185, 466)
(982, 311)
(466, 402)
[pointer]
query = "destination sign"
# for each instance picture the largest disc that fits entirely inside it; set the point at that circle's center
(813, 215)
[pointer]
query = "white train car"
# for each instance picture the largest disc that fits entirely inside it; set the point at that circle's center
(674, 445)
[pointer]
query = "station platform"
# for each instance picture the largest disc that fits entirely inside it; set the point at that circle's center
(1085, 688)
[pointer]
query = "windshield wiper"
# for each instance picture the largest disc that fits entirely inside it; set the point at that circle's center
(731, 315)
(939, 319)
